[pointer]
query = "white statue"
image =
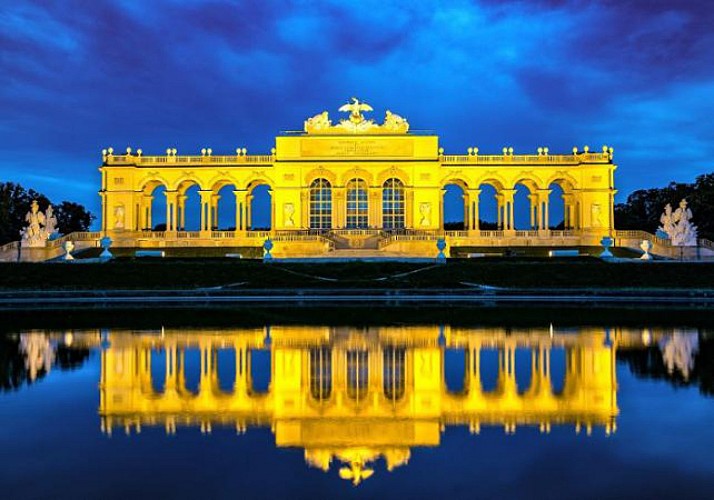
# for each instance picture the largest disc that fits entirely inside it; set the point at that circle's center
(678, 225)
(395, 123)
(38, 353)
(355, 109)
(319, 122)
(288, 214)
(679, 350)
(425, 210)
(119, 214)
(40, 227)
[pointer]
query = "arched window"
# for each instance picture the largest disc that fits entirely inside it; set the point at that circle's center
(394, 372)
(320, 204)
(321, 373)
(357, 374)
(357, 204)
(393, 204)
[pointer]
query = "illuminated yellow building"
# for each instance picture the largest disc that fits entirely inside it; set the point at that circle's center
(354, 186)
(355, 395)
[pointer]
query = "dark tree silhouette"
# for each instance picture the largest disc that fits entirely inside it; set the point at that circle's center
(643, 208)
(15, 202)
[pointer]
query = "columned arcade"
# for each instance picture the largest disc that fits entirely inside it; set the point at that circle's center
(379, 185)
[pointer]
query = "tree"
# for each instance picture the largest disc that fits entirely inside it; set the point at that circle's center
(15, 202)
(644, 207)
(72, 217)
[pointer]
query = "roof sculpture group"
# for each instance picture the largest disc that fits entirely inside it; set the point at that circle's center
(356, 123)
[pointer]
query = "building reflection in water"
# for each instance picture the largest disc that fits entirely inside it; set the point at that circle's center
(351, 396)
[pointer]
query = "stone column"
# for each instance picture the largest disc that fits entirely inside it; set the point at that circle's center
(508, 218)
(240, 222)
(339, 208)
(171, 207)
(214, 211)
(374, 202)
(567, 211)
(182, 212)
(146, 205)
(304, 211)
(206, 209)
(248, 213)
(409, 209)
(533, 198)
(543, 202)
(473, 224)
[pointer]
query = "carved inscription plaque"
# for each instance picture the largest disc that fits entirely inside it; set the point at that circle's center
(358, 147)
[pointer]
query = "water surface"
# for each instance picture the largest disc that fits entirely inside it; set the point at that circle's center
(321, 411)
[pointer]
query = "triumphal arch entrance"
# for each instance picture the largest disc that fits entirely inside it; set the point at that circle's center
(356, 185)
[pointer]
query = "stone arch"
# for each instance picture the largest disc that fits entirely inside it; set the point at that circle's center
(260, 206)
(321, 173)
(454, 200)
(525, 201)
(454, 179)
(148, 185)
(528, 179)
(564, 180)
(492, 179)
(186, 181)
(256, 179)
(392, 172)
(357, 173)
(221, 181)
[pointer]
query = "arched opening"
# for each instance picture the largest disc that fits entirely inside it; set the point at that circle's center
(321, 373)
(225, 360)
(320, 204)
(393, 204)
(357, 204)
(558, 203)
(557, 369)
(394, 375)
(191, 360)
(158, 370)
(225, 217)
(454, 207)
(488, 207)
(188, 211)
(523, 360)
(357, 374)
(488, 369)
(260, 370)
(455, 364)
(261, 208)
(155, 216)
(524, 202)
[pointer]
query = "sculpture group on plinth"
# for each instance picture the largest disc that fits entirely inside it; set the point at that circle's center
(40, 226)
(677, 225)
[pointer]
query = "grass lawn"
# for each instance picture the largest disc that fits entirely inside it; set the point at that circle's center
(176, 273)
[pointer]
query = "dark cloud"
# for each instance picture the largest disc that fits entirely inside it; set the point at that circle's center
(76, 76)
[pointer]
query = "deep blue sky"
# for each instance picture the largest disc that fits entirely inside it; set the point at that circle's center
(78, 75)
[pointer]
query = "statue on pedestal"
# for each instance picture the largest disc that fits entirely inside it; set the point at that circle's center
(40, 227)
(677, 225)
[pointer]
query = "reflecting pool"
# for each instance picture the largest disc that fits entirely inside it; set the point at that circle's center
(317, 411)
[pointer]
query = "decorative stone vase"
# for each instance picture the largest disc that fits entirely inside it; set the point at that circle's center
(646, 246)
(606, 243)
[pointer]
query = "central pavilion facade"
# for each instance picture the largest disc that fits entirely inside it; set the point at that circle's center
(356, 185)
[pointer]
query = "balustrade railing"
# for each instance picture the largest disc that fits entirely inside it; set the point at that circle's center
(527, 159)
(642, 235)
(185, 160)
